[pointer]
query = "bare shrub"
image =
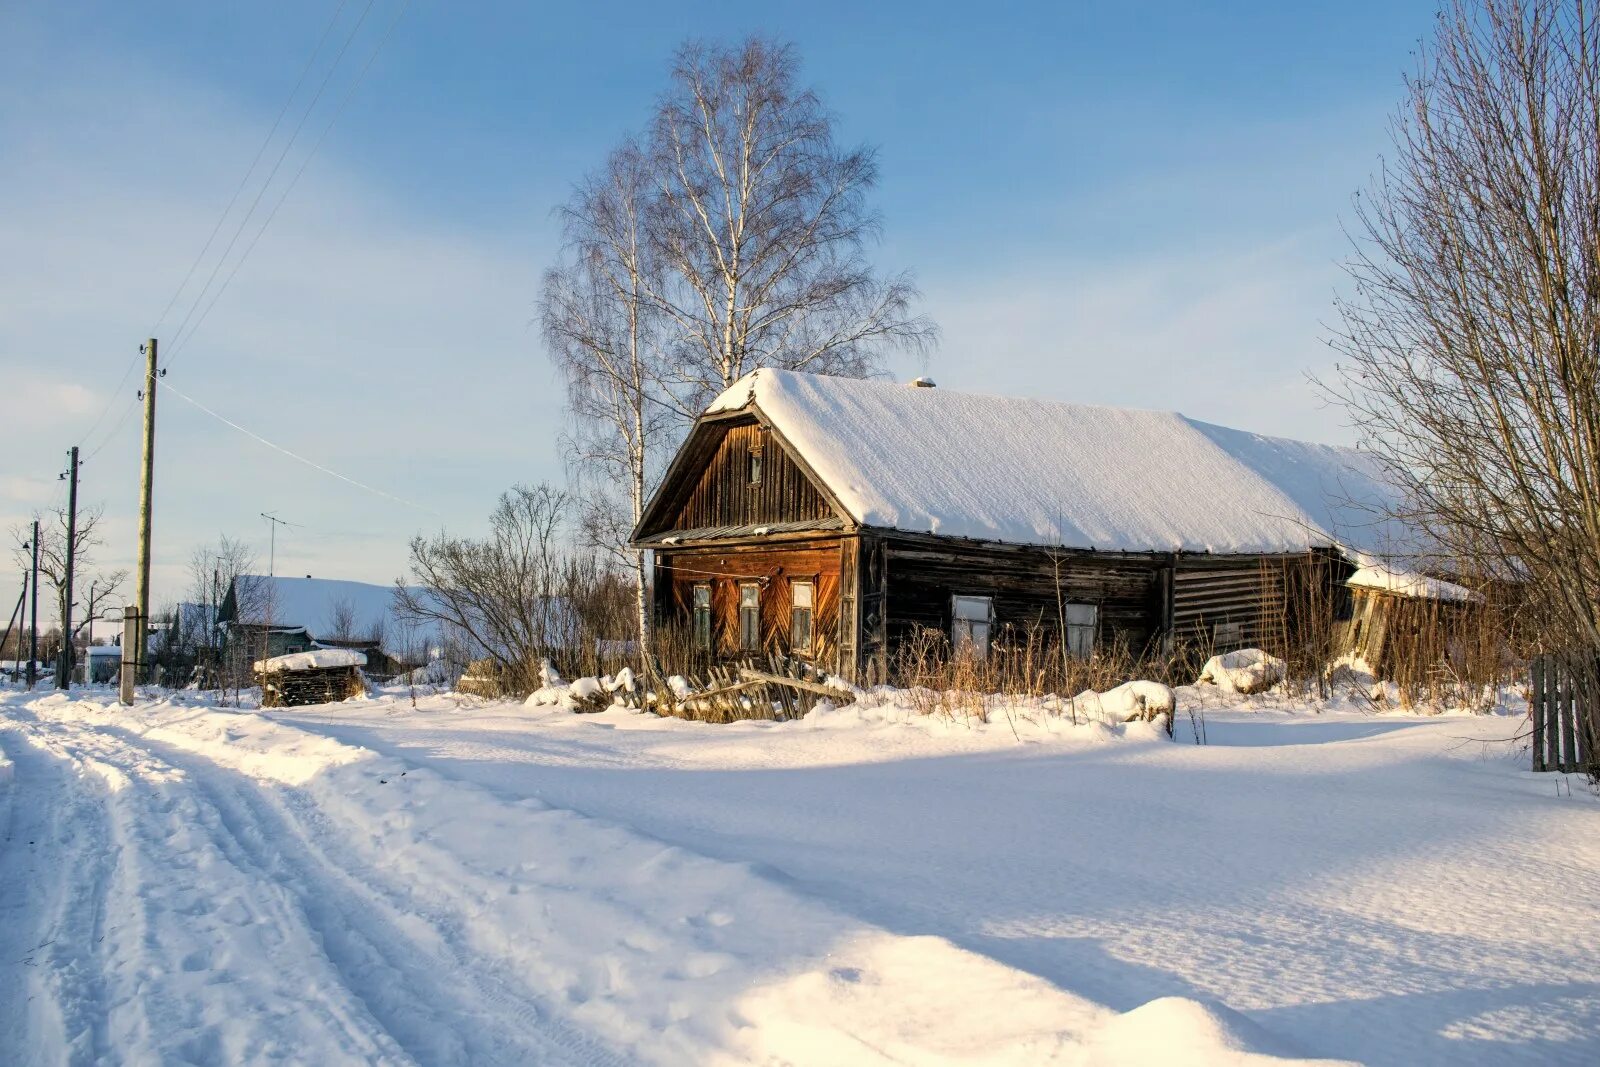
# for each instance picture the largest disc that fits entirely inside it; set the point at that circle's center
(522, 594)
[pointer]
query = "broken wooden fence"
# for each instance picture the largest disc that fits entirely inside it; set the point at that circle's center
(777, 688)
(1563, 701)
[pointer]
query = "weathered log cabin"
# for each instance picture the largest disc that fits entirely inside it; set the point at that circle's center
(829, 518)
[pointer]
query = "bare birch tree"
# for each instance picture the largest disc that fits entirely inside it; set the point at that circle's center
(1473, 335)
(604, 333)
(762, 226)
(733, 238)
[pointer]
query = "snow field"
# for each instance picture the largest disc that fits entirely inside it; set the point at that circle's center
(219, 887)
(1386, 888)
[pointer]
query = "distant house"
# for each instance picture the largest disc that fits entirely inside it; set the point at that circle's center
(100, 665)
(262, 617)
(829, 518)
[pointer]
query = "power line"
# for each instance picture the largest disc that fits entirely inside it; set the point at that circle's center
(296, 456)
(127, 373)
(244, 180)
(178, 335)
(339, 111)
(122, 420)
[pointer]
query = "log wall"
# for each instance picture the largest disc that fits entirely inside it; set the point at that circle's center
(922, 574)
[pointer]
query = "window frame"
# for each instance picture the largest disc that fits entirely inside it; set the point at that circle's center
(810, 612)
(1082, 637)
(750, 635)
(755, 468)
(969, 632)
(700, 635)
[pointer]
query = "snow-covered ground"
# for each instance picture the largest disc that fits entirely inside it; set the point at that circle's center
(460, 882)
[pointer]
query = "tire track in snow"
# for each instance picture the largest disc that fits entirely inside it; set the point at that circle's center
(174, 896)
(56, 851)
(438, 1003)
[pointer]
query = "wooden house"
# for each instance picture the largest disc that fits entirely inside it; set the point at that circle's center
(829, 518)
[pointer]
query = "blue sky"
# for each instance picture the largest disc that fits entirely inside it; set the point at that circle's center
(1122, 204)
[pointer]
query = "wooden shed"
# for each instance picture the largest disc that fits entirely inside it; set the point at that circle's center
(828, 518)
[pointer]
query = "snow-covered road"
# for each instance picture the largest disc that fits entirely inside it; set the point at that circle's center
(451, 883)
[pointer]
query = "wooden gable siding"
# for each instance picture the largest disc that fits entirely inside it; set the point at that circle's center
(722, 495)
(724, 568)
(922, 574)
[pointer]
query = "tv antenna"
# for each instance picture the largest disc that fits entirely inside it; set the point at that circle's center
(272, 551)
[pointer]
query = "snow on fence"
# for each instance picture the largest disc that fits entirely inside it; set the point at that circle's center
(1565, 707)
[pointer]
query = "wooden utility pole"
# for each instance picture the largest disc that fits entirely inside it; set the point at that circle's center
(33, 613)
(64, 661)
(146, 488)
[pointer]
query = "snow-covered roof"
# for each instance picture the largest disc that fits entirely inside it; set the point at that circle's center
(1032, 471)
(316, 659)
(311, 603)
(1386, 578)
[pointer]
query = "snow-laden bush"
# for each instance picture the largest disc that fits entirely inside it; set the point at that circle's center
(1249, 670)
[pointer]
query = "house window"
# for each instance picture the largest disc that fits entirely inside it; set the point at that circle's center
(970, 619)
(755, 464)
(1082, 620)
(702, 615)
(801, 596)
(750, 617)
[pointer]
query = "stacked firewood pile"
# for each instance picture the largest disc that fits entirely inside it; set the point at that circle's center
(323, 676)
(325, 685)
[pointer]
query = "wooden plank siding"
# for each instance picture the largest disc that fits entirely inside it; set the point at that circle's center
(726, 567)
(721, 493)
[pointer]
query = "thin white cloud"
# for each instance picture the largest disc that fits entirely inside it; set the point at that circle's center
(363, 331)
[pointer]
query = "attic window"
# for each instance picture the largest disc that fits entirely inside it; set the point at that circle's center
(755, 463)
